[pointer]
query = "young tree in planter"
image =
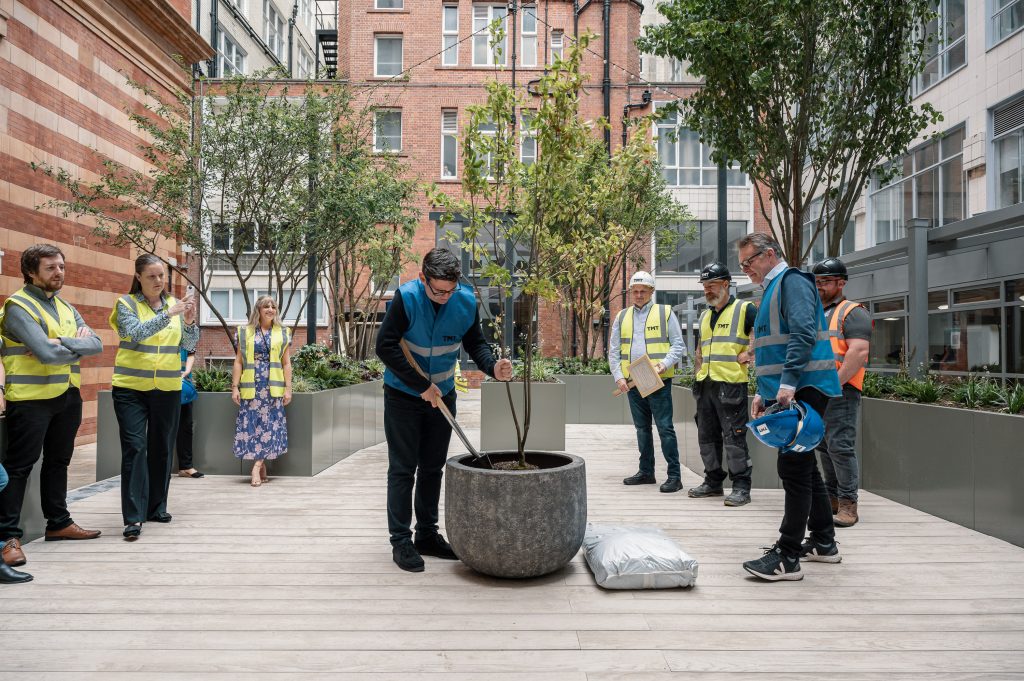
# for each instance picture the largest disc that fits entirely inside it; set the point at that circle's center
(807, 96)
(628, 207)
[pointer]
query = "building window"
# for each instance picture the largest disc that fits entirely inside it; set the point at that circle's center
(685, 160)
(450, 35)
(387, 132)
(388, 56)
(948, 51)
(483, 53)
(230, 303)
(238, 4)
(308, 15)
(449, 144)
(1008, 141)
(692, 256)
(305, 68)
(234, 237)
(812, 213)
(1007, 18)
(557, 41)
(230, 57)
(488, 130)
(929, 184)
(390, 4)
(273, 31)
(527, 140)
(675, 70)
(529, 37)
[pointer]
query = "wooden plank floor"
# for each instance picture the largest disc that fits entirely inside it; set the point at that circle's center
(295, 581)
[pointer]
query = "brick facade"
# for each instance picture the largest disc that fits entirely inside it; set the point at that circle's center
(64, 65)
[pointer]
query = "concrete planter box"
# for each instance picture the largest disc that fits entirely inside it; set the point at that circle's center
(323, 428)
(588, 399)
(547, 416)
(33, 524)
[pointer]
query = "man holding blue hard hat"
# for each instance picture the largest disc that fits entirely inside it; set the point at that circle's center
(796, 376)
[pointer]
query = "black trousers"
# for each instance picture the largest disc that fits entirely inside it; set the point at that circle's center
(722, 426)
(185, 428)
(807, 506)
(418, 437)
(33, 427)
(148, 421)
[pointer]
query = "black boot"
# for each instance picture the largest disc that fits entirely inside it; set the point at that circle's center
(639, 479)
(9, 575)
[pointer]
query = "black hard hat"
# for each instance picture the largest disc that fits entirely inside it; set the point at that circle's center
(715, 270)
(832, 267)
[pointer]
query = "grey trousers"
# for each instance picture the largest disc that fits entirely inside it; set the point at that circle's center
(837, 450)
(722, 427)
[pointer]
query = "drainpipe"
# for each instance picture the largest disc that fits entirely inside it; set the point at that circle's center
(214, 39)
(606, 87)
(291, 34)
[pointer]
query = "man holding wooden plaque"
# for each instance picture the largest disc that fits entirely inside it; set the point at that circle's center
(645, 344)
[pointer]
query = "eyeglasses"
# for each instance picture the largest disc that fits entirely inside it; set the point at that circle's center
(745, 264)
(830, 280)
(441, 294)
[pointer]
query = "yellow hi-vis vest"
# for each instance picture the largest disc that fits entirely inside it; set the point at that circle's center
(154, 364)
(27, 377)
(655, 334)
(278, 347)
(720, 347)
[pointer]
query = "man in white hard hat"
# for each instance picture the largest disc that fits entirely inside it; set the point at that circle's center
(651, 329)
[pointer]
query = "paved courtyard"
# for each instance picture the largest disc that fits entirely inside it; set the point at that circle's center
(294, 580)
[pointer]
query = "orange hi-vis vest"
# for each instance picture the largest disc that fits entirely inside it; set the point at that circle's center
(839, 344)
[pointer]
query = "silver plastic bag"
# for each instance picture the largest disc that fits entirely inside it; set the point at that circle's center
(636, 557)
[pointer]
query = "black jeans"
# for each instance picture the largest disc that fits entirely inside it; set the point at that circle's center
(33, 427)
(807, 506)
(148, 421)
(418, 437)
(722, 425)
(185, 428)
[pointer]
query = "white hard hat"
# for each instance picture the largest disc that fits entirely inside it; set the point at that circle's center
(642, 278)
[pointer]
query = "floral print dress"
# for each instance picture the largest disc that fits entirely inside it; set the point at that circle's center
(261, 432)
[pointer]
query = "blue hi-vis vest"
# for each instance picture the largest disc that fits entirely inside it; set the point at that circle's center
(771, 337)
(435, 338)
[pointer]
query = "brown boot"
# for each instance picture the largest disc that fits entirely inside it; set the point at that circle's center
(847, 516)
(835, 503)
(12, 554)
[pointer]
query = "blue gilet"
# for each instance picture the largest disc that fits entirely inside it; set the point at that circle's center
(771, 341)
(435, 338)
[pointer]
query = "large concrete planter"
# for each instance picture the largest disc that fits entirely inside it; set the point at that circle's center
(588, 399)
(323, 428)
(547, 416)
(516, 523)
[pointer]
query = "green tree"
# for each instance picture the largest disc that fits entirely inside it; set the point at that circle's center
(808, 96)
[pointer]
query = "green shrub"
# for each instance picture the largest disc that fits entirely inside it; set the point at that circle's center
(878, 385)
(302, 385)
(978, 391)
(1015, 398)
(576, 366)
(212, 380)
(307, 358)
(925, 390)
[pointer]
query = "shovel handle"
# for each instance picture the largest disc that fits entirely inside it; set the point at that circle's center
(619, 391)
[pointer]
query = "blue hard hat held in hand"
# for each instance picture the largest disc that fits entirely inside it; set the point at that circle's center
(796, 429)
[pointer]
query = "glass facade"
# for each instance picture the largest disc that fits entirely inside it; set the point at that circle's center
(691, 256)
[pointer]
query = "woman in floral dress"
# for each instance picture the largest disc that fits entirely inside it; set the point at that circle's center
(262, 385)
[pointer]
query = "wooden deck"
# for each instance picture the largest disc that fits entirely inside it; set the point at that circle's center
(295, 581)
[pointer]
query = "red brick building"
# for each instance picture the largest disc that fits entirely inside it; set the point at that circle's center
(64, 66)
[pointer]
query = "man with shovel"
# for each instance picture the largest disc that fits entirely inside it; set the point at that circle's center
(433, 316)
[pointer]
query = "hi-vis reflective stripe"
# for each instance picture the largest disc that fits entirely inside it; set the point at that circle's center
(10, 351)
(150, 349)
(38, 380)
(39, 314)
(434, 351)
(813, 365)
(441, 377)
(146, 373)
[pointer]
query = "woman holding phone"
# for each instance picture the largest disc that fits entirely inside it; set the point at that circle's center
(153, 328)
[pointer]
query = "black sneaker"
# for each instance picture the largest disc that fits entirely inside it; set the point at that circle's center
(435, 545)
(639, 479)
(673, 484)
(705, 490)
(774, 567)
(738, 497)
(820, 553)
(406, 557)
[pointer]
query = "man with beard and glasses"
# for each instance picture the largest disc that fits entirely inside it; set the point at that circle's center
(44, 339)
(720, 388)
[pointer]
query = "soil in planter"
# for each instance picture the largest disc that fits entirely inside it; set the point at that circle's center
(509, 461)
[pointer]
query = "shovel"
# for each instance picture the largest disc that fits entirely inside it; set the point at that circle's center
(444, 409)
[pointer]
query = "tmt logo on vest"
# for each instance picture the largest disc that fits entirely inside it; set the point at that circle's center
(723, 325)
(450, 339)
(652, 327)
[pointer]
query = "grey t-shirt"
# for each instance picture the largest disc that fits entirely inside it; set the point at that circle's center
(857, 323)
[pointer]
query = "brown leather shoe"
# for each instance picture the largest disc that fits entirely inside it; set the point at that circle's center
(835, 503)
(12, 553)
(847, 516)
(72, 531)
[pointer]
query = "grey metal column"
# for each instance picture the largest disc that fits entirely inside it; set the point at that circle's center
(723, 214)
(917, 334)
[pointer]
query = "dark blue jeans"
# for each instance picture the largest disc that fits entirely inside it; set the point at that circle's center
(837, 451)
(656, 406)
